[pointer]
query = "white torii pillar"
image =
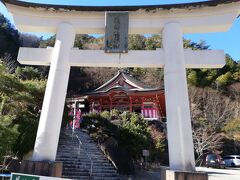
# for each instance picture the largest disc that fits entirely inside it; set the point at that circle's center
(179, 130)
(52, 110)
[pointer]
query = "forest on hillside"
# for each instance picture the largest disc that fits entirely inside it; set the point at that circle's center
(214, 93)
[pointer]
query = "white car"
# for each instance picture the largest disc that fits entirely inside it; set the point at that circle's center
(232, 160)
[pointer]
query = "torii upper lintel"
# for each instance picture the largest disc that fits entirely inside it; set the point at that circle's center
(200, 17)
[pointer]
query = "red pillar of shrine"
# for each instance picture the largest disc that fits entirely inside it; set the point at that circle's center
(130, 107)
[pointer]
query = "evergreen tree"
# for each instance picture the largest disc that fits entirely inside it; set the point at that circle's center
(21, 102)
(9, 38)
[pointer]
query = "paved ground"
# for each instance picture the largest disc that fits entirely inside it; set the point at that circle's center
(214, 174)
(221, 174)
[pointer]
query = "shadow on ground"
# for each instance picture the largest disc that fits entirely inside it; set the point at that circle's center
(142, 174)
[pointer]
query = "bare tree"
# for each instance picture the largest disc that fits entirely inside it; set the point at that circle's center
(210, 110)
(204, 139)
(234, 91)
(232, 128)
(29, 40)
(211, 106)
(10, 62)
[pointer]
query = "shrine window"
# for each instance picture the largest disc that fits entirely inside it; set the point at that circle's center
(150, 106)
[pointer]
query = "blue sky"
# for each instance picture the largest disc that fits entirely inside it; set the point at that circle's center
(228, 41)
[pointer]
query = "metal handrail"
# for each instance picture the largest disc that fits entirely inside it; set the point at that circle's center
(89, 157)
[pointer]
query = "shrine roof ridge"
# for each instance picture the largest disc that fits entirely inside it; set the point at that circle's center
(118, 8)
(135, 82)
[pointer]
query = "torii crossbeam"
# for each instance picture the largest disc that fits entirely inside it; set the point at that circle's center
(144, 59)
(170, 20)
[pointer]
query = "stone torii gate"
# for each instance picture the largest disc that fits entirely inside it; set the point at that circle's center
(169, 20)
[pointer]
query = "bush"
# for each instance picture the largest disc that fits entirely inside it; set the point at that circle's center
(105, 114)
(132, 133)
(115, 114)
(8, 136)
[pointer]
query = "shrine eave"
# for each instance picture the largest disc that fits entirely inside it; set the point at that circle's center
(52, 7)
(132, 92)
(119, 88)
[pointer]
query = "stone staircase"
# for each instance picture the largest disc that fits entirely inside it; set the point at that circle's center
(82, 159)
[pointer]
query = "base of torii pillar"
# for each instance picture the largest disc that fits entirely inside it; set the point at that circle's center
(41, 168)
(182, 175)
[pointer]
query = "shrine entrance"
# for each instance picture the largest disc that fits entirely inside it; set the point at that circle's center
(116, 23)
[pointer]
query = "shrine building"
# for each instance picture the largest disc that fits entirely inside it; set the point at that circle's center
(123, 93)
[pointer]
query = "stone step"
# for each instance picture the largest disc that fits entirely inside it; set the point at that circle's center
(83, 160)
(72, 173)
(77, 164)
(77, 160)
(107, 178)
(105, 165)
(76, 145)
(76, 149)
(86, 173)
(105, 174)
(77, 152)
(81, 155)
(62, 152)
(66, 153)
(80, 136)
(91, 178)
(88, 167)
(75, 141)
(77, 177)
(76, 138)
(95, 170)
(87, 163)
(68, 140)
